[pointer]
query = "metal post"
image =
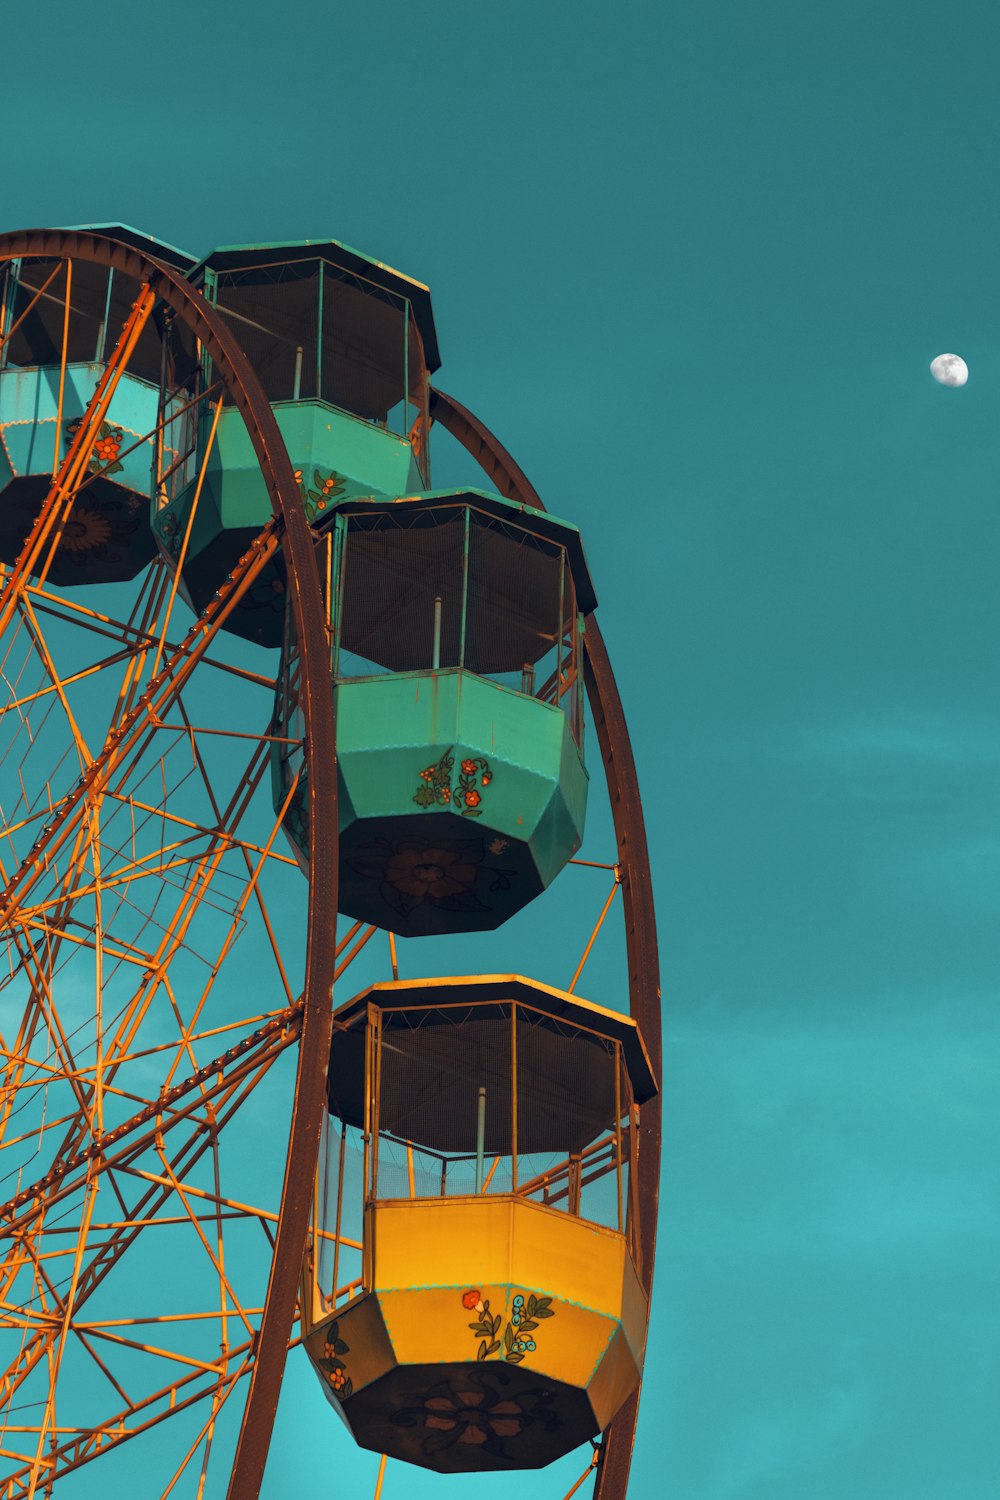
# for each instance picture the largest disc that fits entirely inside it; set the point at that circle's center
(480, 1137)
(574, 1183)
(297, 387)
(436, 660)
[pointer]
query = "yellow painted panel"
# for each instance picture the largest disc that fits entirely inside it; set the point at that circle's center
(440, 1242)
(566, 1342)
(433, 1326)
(467, 1242)
(614, 1380)
(635, 1312)
(570, 1258)
(569, 1344)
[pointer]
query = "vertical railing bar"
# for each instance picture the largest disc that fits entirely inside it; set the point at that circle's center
(513, 1098)
(8, 281)
(559, 629)
(319, 336)
(340, 1206)
(480, 1137)
(406, 365)
(62, 365)
(102, 332)
(342, 525)
(466, 547)
(618, 1129)
(156, 461)
(378, 1103)
(369, 1084)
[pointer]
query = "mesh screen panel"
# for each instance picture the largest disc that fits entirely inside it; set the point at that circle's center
(392, 576)
(147, 361)
(434, 1062)
(431, 1076)
(274, 312)
(565, 1085)
(513, 603)
(39, 339)
(364, 331)
(351, 1204)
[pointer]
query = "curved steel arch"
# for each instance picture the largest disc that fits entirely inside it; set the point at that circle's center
(241, 383)
(637, 895)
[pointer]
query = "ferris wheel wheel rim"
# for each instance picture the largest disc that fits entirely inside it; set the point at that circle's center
(239, 379)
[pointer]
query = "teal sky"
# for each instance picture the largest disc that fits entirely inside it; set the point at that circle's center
(691, 264)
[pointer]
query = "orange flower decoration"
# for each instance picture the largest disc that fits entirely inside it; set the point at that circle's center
(470, 1300)
(472, 798)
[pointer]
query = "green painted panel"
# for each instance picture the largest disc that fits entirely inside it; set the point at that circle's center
(460, 800)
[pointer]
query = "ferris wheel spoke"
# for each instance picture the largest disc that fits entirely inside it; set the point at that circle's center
(241, 1061)
(172, 1400)
(107, 1254)
(130, 739)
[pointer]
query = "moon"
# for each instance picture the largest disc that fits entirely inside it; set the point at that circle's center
(949, 369)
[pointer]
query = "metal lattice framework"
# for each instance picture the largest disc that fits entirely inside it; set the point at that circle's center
(162, 980)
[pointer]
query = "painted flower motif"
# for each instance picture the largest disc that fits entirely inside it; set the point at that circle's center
(333, 1344)
(411, 870)
(317, 496)
(465, 796)
(466, 1415)
(430, 872)
(472, 1300)
(497, 845)
(85, 529)
(336, 1372)
(107, 446)
(471, 1410)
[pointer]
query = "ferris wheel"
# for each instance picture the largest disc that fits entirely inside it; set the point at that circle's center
(255, 671)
